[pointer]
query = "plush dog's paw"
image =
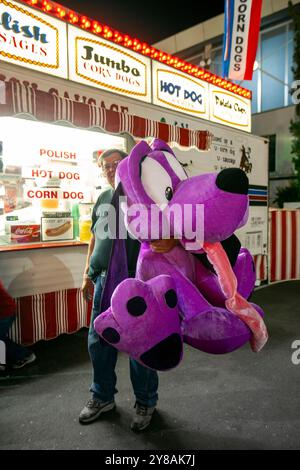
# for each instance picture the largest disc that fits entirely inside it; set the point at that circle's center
(143, 321)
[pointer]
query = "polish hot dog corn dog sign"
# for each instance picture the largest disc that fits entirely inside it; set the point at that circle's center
(57, 228)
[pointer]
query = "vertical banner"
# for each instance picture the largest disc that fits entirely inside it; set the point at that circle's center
(241, 29)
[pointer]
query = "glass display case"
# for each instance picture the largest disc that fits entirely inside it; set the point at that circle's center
(49, 181)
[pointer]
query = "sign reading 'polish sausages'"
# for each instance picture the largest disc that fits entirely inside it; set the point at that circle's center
(32, 39)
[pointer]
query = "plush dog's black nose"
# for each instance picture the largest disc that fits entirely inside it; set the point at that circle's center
(233, 180)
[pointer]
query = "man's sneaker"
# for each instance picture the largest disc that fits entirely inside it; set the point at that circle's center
(94, 408)
(23, 362)
(142, 417)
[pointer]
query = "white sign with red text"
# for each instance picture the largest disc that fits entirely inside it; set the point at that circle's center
(102, 64)
(31, 39)
(39, 144)
(53, 193)
(58, 154)
(63, 174)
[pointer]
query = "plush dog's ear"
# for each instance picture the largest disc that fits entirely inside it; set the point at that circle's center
(158, 144)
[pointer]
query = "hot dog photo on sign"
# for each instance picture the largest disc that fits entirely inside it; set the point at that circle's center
(57, 228)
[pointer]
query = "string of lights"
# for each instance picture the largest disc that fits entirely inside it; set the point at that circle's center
(103, 30)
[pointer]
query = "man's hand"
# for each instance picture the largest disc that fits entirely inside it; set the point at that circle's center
(87, 289)
(163, 246)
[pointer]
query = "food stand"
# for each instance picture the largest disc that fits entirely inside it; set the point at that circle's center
(69, 89)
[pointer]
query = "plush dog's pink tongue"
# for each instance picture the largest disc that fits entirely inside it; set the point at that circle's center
(235, 303)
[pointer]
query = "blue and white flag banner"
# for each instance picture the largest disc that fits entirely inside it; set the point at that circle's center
(241, 31)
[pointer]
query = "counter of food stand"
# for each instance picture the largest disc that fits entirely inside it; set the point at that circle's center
(49, 181)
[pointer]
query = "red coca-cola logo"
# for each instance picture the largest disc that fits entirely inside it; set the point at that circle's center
(24, 231)
(29, 231)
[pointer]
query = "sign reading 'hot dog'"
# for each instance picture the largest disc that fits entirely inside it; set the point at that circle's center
(47, 173)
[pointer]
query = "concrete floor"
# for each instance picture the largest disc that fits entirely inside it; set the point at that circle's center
(237, 401)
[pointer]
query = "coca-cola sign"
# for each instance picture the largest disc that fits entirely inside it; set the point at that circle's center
(25, 233)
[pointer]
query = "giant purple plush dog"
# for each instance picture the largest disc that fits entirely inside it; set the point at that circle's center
(197, 292)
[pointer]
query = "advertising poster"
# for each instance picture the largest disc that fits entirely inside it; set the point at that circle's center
(54, 229)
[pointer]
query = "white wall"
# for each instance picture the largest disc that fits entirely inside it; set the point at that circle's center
(277, 122)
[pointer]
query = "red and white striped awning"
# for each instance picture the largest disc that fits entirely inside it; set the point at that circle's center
(284, 245)
(22, 98)
(261, 267)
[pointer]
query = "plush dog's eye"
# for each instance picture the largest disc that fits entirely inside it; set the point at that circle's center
(169, 193)
(156, 181)
(176, 166)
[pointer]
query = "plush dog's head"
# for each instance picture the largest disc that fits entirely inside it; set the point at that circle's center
(159, 191)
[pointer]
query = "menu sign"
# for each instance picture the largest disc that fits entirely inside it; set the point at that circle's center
(230, 109)
(32, 39)
(66, 174)
(53, 194)
(173, 89)
(99, 63)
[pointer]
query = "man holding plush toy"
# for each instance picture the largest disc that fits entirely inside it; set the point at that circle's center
(103, 355)
(188, 287)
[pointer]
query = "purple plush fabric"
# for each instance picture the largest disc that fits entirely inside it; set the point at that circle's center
(151, 175)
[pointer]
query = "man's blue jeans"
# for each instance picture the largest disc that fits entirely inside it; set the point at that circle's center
(104, 358)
